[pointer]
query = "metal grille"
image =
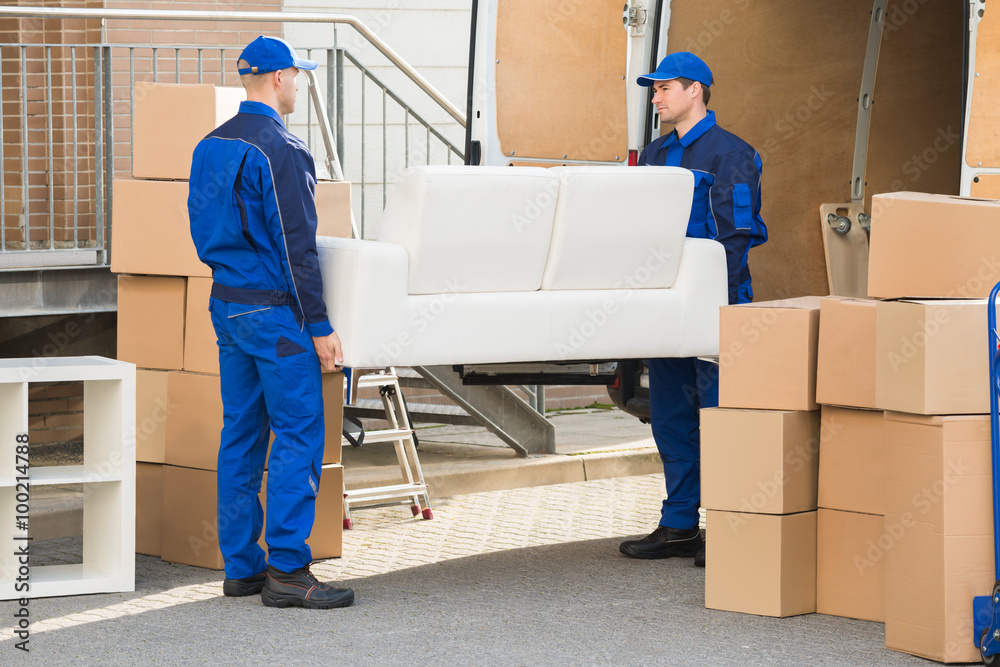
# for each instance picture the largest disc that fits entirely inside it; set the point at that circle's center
(68, 113)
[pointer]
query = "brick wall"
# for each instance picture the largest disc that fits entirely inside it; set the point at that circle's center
(39, 110)
(49, 192)
(55, 413)
(209, 46)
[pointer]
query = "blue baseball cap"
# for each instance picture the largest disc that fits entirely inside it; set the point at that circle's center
(679, 65)
(269, 54)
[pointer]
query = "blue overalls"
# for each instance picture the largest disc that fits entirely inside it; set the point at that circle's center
(253, 221)
(726, 208)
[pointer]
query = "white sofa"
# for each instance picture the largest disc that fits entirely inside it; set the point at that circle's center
(525, 264)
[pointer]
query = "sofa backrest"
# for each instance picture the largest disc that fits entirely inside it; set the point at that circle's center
(617, 227)
(472, 229)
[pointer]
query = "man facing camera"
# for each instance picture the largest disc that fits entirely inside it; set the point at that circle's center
(726, 207)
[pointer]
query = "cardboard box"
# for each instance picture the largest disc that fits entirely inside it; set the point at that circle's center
(845, 364)
(850, 567)
(179, 418)
(767, 354)
(170, 119)
(190, 530)
(761, 564)
(326, 539)
(333, 209)
(148, 508)
(194, 425)
(852, 460)
(925, 245)
(939, 526)
(152, 410)
(152, 232)
(931, 357)
(151, 321)
(190, 508)
(761, 461)
(201, 348)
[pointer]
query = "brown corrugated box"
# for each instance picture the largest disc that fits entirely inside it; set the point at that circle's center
(170, 119)
(152, 409)
(190, 508)
(761, 564)
(148, 508)
(940, 521)
(151, 321)
(850, 565)
(852, 460)
(925, 245)
(201, 349)
(845, 364)
(152, 231)
(931, 357)
(333, 209)
(181, 418)
(767, 354)
(762, 461)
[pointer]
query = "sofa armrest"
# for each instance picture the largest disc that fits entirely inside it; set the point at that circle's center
(703, 279)
(364, 287)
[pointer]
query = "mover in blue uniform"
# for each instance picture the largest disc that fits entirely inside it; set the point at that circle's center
(253, 221)
(726, 208)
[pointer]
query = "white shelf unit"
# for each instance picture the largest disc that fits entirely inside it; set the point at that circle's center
(107, 475)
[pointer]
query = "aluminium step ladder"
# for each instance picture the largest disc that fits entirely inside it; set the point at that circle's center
(413, 490)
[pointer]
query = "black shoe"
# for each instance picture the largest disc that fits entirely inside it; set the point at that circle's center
(301, 589)
(663, 543)
(238, 588)
(699, 558)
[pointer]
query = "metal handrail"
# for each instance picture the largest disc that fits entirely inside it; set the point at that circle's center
(274, 17)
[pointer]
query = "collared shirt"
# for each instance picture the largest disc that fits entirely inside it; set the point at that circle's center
(726, 205)
(253, 213)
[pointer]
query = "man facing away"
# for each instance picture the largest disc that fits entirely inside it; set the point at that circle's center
(253, 221)
(726, 208)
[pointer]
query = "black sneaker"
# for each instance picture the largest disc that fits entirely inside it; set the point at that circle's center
(699, 558)
(238, 588)
(663, 543)
(301, 589)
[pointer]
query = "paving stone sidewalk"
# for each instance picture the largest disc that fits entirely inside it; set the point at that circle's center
(528, 576)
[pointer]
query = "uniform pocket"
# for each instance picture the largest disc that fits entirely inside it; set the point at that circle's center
(742, 202)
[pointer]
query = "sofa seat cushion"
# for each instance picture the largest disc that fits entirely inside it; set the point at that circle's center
(482, 229)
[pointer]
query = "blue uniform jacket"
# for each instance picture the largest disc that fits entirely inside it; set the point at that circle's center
(253, 214)
(726, 203)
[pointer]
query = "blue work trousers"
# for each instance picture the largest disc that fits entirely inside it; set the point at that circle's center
(678, 389)
(270, 381)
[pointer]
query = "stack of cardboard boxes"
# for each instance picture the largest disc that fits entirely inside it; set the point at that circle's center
(760, 461)
(164, 328)
(934, 260)
(898, 458)
(850, 565)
